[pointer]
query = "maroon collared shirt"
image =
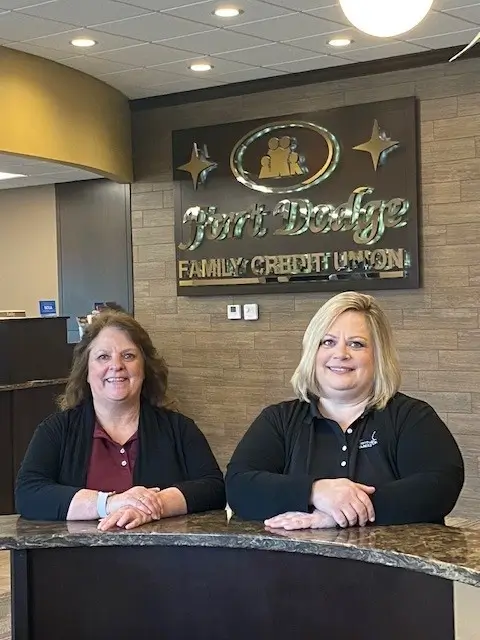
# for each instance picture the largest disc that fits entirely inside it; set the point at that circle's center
(111, 464)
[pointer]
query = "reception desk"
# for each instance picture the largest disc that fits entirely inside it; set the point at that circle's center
(200, 578)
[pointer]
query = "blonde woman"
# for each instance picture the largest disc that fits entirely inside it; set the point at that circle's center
(351, 449)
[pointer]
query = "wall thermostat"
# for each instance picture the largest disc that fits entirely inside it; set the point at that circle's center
(234, 312)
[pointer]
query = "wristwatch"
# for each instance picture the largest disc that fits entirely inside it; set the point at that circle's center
(102, 498)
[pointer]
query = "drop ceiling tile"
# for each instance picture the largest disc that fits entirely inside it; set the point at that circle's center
(156, 5)
(137, 93)
(383, 51)
(39, 172)
(171, 87)
(129, 89)
(16, 26)
(28, 166)
(470, 13)
(267, 55)
(254, 73)
(84, 175)
(43, 52)
(311, 64)
(95, 66)
(438, 24)
(302, 5)
(139, 77)
(10, 163)
(214, 42)
(18, 4)
(38, 169)
(16, 161)
(152, 27)
(144, 55)
(26, 182)
(332, 12)
(219, 67)
(320, 44)
(185, 85)
(252, 11)
(61, 42)
(445, 5)
(83, 13)
(287, 27)
(459, 39)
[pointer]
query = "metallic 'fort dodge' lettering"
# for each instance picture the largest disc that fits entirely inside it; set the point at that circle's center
(367, 220)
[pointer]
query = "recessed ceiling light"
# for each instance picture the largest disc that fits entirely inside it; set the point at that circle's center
(227, 12)
(9, 176)
(340, 42)
(83, 42)
(201, 66)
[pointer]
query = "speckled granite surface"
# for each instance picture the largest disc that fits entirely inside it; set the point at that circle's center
(31, 384)
(451, 552)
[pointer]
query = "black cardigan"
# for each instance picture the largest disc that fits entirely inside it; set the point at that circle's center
(415, 465)
(173, 452)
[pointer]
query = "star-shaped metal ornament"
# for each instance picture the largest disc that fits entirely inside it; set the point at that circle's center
(378, 146)
(199, 166)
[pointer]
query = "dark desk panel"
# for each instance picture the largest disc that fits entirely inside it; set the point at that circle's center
(185, 593)
(21, 410)
(6, 454)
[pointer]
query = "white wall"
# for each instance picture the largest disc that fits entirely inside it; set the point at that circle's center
(28, 248)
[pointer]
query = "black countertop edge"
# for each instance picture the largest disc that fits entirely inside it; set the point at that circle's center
(448, 552)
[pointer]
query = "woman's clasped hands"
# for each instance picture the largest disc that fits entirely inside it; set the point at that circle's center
(132, 508)
(336, 502)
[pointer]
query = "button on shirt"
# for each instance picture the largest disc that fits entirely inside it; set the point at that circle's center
(333, 448)
(358, 453)
(111, 464)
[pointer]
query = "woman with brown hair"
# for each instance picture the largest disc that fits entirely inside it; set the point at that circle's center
(115, 451)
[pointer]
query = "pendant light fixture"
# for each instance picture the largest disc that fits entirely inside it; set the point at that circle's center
(385, 18)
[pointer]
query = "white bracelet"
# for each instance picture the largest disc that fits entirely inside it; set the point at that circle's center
(102, 503)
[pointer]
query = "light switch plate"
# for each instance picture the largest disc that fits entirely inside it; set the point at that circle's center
(250, 311)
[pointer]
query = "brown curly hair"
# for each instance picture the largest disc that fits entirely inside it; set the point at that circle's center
(155, 384)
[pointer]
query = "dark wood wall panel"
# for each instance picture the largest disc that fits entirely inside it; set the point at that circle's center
(95, 247)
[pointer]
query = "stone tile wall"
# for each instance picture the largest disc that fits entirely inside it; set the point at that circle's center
(224, 372)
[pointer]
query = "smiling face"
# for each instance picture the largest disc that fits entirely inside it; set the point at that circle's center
(115, 367)
(345, 359)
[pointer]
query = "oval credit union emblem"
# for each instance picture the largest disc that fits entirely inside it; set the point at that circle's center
(284, 157)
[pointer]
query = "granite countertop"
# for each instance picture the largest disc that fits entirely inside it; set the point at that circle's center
(451, 552)
(30, 384)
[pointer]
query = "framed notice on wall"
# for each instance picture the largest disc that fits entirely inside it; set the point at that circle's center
(322, 201)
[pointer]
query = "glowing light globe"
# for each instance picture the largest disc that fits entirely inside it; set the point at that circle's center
(385, 18)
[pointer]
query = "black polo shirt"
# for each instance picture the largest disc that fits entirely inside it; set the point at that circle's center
(405, 451)
(358, 453)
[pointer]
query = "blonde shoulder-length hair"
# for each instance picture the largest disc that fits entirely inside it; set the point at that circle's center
(387, 377)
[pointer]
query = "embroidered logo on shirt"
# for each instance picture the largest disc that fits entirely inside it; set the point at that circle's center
(367, 444)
